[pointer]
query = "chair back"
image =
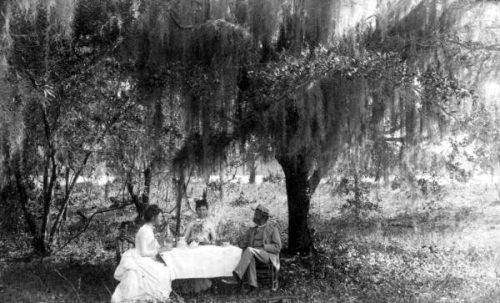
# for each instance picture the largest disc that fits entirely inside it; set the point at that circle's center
(125, 238)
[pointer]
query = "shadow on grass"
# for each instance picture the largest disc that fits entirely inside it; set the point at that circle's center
(440, 221)
(74, 282)
(41, 282)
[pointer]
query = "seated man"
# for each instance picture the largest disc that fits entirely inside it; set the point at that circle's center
(262, 242)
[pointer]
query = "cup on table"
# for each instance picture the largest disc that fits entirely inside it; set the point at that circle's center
(223, 243)
(181, 242)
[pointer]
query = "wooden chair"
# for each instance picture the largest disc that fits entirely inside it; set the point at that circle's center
(125, 238)
(267, 274)
(123, 243)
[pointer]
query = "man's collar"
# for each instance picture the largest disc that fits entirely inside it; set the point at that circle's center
(260, 226)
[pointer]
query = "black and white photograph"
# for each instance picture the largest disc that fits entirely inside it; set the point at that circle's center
(253, 151)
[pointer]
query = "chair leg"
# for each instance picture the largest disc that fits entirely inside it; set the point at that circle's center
(271, 275)
(274, 279)
(118, 252)
(177, 296)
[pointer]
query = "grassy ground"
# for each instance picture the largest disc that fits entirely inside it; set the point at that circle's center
(439, 247)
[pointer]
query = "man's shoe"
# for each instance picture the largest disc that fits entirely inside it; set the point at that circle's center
(250, 290)
(234, 281)
(230, 281)
(236, 277)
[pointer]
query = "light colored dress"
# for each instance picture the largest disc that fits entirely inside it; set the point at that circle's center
(141, 277)
(200, 231)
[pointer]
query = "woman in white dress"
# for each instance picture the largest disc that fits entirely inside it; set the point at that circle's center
(141, 276)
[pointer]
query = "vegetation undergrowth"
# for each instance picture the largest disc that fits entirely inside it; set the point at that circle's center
(448, 254)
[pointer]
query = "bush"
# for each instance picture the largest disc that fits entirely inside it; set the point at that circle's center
(357, 203)
(229, 230)
(273, 178)
(348, 186)
(242, 200)
(86, 193)
(214, 186)
(359, 207)
(396, 183)
(430, 186)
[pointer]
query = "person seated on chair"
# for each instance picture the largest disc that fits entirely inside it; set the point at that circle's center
(198, 232)
(202, 230)
(141, 275)
(262, 242)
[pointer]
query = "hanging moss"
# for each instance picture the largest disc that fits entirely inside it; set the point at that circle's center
(219, 42)
(250, 67)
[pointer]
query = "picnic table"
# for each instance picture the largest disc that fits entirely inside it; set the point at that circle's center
(207, 261)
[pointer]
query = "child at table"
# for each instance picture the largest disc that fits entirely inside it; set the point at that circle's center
(199, 232)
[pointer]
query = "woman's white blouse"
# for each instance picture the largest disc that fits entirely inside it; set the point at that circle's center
(145, 241)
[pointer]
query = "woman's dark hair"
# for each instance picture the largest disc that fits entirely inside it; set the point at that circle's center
(201, 203)
(151, 212)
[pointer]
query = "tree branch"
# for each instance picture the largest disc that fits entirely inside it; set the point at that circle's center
(55, 225)
(24, 200)
(177, 23)
(87, 224)
(185, 188)
(80, 170)
(47, 195)
(313, 181)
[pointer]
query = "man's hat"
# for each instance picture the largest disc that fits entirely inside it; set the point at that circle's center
(263, 209)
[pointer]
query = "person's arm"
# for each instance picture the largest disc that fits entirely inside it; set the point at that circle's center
(169, 238)
(144, 238)
(212, 234)
(275, 246)
(244, 241)
(188, 232)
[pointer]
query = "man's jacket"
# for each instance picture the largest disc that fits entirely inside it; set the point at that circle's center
(271, 242)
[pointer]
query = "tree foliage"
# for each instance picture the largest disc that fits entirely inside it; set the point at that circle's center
(67, 94)
(286, 76)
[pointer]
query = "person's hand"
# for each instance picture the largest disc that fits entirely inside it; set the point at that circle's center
(161, 240)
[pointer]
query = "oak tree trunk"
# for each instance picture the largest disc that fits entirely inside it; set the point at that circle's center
(252, 167)
(180, 194)
(299, 188)
(141, 200)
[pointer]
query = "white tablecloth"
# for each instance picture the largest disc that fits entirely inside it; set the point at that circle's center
(202, 262)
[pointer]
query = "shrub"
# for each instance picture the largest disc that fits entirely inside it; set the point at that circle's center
(357, 204)
(359, 207)
(396, 183)
(86, 193)
(273, 178)
(242, 200)
(229, 230)
(430, 186)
